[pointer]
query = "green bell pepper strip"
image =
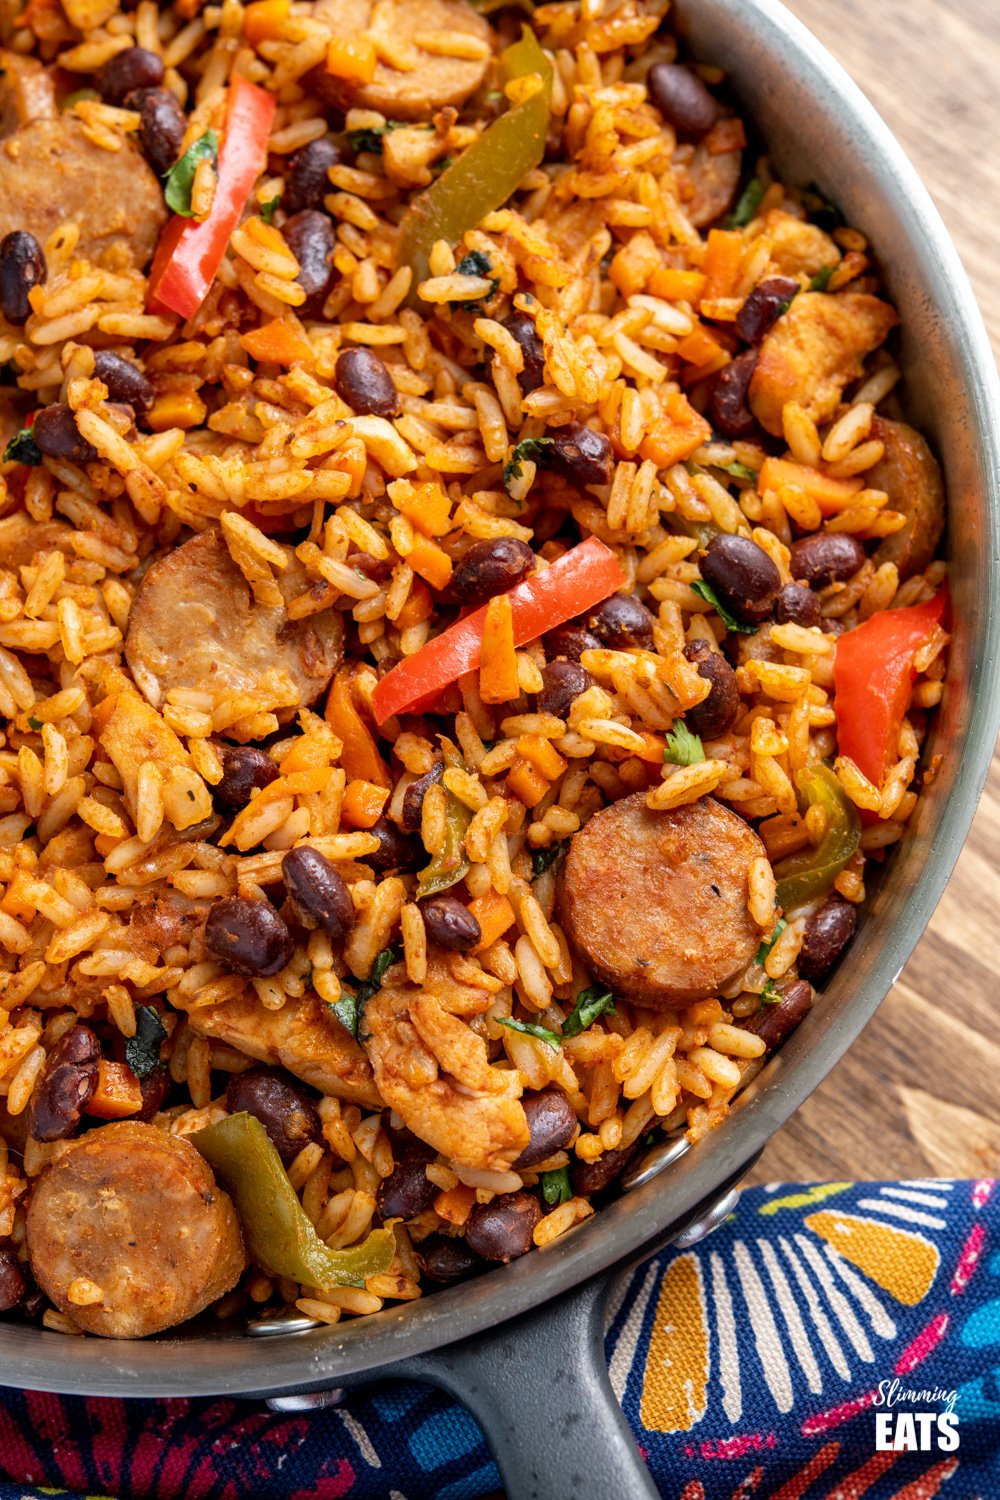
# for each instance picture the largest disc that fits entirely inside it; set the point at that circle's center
(278, 1234)
(484, 176)
(803, 877)
(452, 864)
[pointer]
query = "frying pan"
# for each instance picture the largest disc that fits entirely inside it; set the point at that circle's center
(522, 1345)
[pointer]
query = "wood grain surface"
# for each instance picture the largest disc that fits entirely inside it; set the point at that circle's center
(892, 1109)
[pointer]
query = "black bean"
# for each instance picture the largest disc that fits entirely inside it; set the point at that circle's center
(623, 620)
(413, 798)
(282, 1105)
(248, 937)
(764, 306)
(828, 932)
(562, 683)
(378, 569)
(570, 642)
(590, 1177)
(245, 769)
(57, 435)
(714, 714)
(491, 567)
(774, 1023)
(22, 266)
(162, 124)
(445, 1258)
(13, 1282)
(317, 893)
(552, 1122)
(312, 240)
(742, 575)
(580, 454)
(406, 1192)
(133, 68)
(124, 380)
(362, 380)
(65, 1086)
(731, 415)
(502, 1229)
(395, 851)
(682, 98)
(522, 328)
(307, 181)
(796, 605)
(825, 557)
(154, 1088)
(33, 1306)
(451, 924)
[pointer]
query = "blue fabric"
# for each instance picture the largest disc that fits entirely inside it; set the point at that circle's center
(756, 1364)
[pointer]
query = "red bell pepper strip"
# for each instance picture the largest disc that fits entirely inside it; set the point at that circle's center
(873, 679)
(189, 254)
(576, 581)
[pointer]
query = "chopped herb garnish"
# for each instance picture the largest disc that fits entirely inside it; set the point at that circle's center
(683, 747)
(821, 280)
(770, 994)
(22, 449)
(476, 264)
(346, 1011)
(748, 204)
(350, 1008)
(550, 1038)
(556, 1186)
(544, 859)
(738, 470)
(267, 210)
(527, 448)
(590, 1003)
(180, 178)
(35, 723)
(705, 591)
(768, 943)
(142, 1051)
(822, 211)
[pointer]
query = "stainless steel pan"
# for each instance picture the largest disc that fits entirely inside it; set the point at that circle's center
(522, 1345)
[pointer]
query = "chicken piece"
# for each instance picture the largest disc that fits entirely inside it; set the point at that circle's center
(434, 81)
(911, 476)
(133, 734)
(304, 1036)
(137, 1213)
(164, 920)
(51, 175)
(195, 624)
(22, 539)
(26, 91)
(814, 351)
(423, 1070)
(797, 247)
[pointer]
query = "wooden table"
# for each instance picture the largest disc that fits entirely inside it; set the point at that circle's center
(895, 1107)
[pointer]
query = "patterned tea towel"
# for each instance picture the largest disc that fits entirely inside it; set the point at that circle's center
(829, 1342)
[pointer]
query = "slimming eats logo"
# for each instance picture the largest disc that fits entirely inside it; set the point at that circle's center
(908, 1431)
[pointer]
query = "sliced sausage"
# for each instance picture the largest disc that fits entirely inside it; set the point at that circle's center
(656, 902)
(27, 91)
(138, 1213)
(708, 184)
(910, 475)
(52, 175)
(195, 624)
(435, 82)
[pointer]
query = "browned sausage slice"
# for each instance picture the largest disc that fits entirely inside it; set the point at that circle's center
(137, 1213)
(909, 473)
(51, 175)
(656, 902)
(708, 184)
(433, 83)
(195, 624)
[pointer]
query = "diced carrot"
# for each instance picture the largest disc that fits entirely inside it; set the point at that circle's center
(276, 343)
(632, 265)
(455, 1204)
(363, 803)
(263, 20)
(419, 606)
(678, 436)
(300, 783)
(725, 135)
(352, 57)
(498, 671)
(527, 782)
(831, 495)
(542, 754)
(699, 348)
(430, 561)
(359, 757)
(118, 1093)
(494, 914)
(652, 748)
(677, 286)
(307, 751)
(722, 263)
(427, 506)
(176, 409)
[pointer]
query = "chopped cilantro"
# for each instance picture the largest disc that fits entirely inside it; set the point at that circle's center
(350, 1008)
(590, 1003)
(770, 994)
(738, 470)
(526, 448)
(768, 943)
(346, 1011)
(822, 211)
(35, 723)
(555, 1186)
(705, 591)
(748, 204)
(180, 178)
(683, 747)
(821, 280)
(267, 209)
(22, 449)
(476, 264)
(142, 1051)
(529, 1028)
(544, 859)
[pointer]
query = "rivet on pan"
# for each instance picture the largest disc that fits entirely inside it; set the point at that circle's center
(707, 1222)
(655, 1161)
(279, 1323)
